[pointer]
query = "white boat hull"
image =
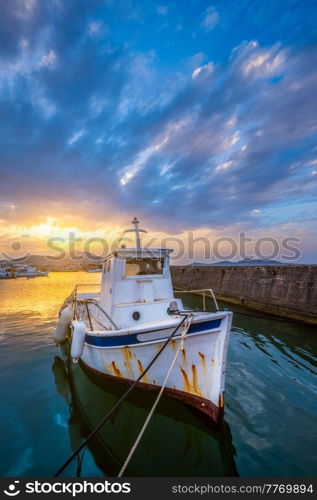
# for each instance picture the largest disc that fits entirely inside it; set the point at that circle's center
(198, 376)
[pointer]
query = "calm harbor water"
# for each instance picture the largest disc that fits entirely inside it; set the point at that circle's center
(271, 400)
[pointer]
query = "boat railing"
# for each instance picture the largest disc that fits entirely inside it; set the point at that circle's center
(88, 301)
(203, 292)
(84, 284)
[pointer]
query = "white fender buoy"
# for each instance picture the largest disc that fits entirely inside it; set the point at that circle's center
(78, 341)
(63, 324)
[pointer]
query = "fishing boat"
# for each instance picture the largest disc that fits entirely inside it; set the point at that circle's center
(134, 330)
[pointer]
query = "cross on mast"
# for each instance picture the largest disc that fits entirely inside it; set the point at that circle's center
(137, 230)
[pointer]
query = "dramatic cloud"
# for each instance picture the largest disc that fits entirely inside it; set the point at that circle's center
(106, 113)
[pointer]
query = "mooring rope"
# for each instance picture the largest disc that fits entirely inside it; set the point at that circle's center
(156, 402)
(118, 403)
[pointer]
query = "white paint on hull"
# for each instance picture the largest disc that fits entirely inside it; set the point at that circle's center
(199, 370)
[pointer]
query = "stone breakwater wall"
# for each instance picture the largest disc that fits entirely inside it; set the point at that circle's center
(287, 291)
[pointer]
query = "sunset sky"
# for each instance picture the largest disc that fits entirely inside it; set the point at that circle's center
(193, 115)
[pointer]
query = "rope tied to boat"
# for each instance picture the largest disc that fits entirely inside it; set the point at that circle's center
(157, 400)
(122, 398)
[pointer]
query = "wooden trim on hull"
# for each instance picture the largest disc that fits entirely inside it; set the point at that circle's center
(201, 404)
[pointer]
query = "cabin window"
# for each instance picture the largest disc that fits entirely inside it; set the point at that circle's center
(144, 266)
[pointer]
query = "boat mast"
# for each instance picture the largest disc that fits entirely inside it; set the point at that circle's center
(137, 230)
(136, 223)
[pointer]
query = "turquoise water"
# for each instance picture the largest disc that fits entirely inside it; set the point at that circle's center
(270, 412)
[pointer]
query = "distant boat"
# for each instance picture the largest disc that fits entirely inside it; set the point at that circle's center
(8, 274)
(21, 272)
(29, 272)
(121, 330)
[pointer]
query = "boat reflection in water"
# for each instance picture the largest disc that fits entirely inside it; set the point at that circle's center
(176, 443)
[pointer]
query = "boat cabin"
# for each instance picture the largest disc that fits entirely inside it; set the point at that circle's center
(136, 284)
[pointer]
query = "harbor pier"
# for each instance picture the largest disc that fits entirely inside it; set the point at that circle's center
(289, 291)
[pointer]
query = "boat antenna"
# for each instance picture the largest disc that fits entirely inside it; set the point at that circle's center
(137, 230)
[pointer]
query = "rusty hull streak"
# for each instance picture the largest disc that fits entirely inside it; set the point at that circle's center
(128, 356)
(221, 400)
(173, 343)
(191, 387)
(183, 351)
(115, 369)
(203, 361)
(195, 382)
(141, 370)
(186, 382)
(127, 352)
